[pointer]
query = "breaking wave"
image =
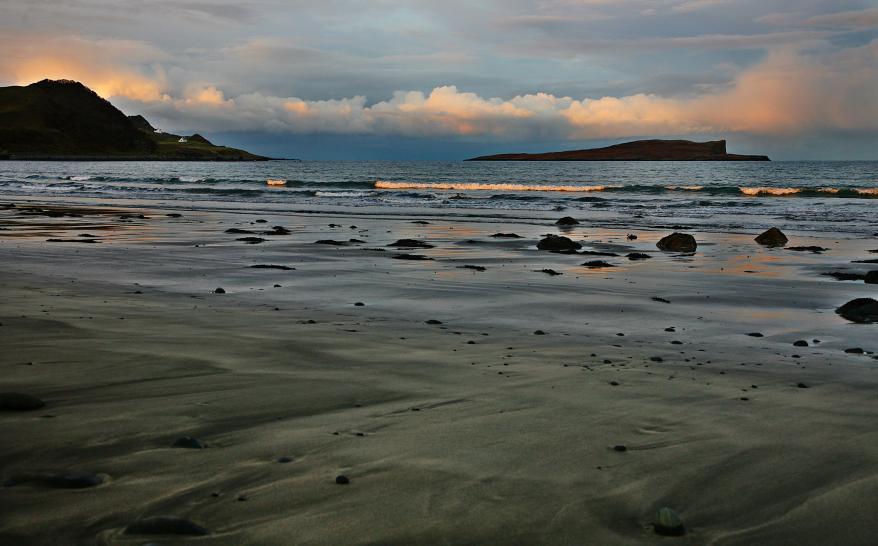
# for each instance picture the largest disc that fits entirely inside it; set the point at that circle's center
(731, 191)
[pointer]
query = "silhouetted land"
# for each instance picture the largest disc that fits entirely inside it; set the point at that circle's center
(639, 150)
(63, 119)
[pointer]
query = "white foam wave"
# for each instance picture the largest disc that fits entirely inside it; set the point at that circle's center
(457, 186)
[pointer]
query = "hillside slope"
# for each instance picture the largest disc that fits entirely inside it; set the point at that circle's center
(62, 119)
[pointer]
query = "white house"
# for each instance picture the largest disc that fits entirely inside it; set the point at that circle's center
(183, 139)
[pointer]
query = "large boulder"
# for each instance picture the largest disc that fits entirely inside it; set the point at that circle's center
(772, 237)
(678, 242)
(871, 277)
(862, 310)
(558, 243)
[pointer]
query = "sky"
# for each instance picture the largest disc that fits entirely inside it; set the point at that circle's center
(450, 79)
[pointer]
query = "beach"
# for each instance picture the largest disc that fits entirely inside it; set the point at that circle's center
(469, 397)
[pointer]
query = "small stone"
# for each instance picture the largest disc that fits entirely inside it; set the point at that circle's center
(433, 321)
(668, 523)
(284, 460)
(359, 304)
(189, 442)
(800, 343)
(620, 448)
(219, 291)
(638, 256)
(75, 480)
(596, 264)
(342, 480)
(854, 351)
(656, 359)
(567, 221)
(165, 525)
(539, 333)
(802, 385)
(755, 334)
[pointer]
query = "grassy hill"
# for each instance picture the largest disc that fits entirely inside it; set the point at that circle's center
(64, 119)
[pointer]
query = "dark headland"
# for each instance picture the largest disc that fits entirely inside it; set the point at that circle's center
(65, 120)
(639, 150)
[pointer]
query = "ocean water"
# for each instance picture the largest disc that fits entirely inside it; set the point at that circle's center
(840, 196)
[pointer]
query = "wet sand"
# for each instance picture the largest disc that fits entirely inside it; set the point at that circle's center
(476, 430)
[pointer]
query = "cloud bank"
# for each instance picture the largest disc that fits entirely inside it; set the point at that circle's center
(526, 70)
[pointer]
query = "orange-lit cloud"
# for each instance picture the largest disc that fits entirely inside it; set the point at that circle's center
(105, 65)
(791, 91)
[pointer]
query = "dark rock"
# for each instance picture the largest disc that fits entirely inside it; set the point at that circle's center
(356, 241)
(558, 243)
(861, 310)
(656, 359)
(550, 272)
(433, 321)
(272, 266)
(595, 253)
(238, 231)
(174, 215)
(755, 334)
(875, 261)
(678, 242)
(506, 236)
(359, 304)
(188, 442)
(772, 237)
(632, 237)
(285, 460)
(263, 221)
(411, 257)
(539, 333)
(871, 277)
(411, 243)
(594, 264)
(567, 221)
(638, 256)
(342, 480)
(19, 401)
(74, 480)
(668, 523)
(219, 291)
(802, 385)
(845, 276)
(814, 249)
(251, 240)
(660, 300)
(800, 343)
(330, 242)
(88, 241)
(165, 525)
(620, 448)
(66, 480)
(854, 351)
(473, 267)
(277, 230)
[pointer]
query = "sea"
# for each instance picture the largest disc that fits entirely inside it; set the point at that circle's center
(808, 196)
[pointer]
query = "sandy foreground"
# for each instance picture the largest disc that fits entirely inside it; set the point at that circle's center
(478, 430)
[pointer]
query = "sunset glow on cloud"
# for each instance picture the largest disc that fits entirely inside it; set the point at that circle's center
(783, 73)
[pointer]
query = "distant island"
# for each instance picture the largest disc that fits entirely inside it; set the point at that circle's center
(65, 120)
(638, 150)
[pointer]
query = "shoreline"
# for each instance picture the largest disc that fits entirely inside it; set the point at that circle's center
(475, 430)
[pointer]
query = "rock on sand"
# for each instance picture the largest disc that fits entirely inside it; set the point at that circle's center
(678, 242)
